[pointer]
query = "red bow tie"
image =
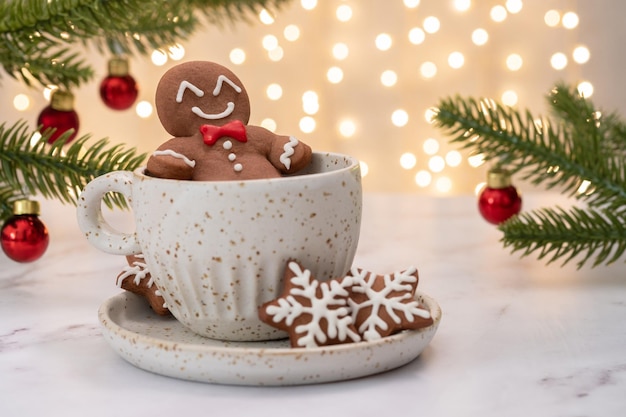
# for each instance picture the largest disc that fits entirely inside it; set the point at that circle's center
(235, 129)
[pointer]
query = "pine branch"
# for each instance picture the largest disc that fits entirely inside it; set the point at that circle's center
(577, 145)
(7, 196)
(55, 171)
(35, 36)
(547, 151)
(558, 233)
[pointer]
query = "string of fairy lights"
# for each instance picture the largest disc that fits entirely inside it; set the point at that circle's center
(374, 76)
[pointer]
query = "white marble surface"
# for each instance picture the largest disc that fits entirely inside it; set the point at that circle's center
(518, 338)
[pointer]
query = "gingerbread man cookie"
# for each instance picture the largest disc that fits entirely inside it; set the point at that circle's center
(206, 108)
(136, 278)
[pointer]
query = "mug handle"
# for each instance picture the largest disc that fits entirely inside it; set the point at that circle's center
(93, 224)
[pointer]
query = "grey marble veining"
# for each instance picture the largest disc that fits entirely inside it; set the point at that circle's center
(517, 338)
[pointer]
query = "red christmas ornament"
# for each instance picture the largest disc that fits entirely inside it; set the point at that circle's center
(118, 90)
(24, 237)
(499, 200)
(59, 115)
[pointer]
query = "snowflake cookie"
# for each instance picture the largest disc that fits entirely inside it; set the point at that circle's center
(385, 304)
(136, 278)
(314, 313)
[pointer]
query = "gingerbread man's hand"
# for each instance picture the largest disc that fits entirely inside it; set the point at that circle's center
(293, 155)
(169, 161)
(285, 153)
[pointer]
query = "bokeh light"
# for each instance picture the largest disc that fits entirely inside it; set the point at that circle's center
(21, 102)
(400, 117)
(514, 62)
(340, 51)
(417, 36)
(498, 13)
(144, 109)
(480, 37)
(570, 20)
(383, 41)
(428, 69)
(388, 78)
(237, 56)
(558, 61)
(408, 160)
(291, 33)
(344, 13)
(431, 24)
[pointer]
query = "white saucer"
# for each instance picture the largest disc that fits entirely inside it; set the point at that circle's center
(163, 346)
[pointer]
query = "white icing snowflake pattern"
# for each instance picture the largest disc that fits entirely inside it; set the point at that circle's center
(328, 304)
(403, 283)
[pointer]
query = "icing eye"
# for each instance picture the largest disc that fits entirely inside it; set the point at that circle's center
(224, 79)
(184, 85)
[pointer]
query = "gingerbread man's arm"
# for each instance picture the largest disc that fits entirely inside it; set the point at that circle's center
(170, 161)
(286, 153)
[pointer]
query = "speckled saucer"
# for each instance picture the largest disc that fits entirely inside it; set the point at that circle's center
(163, 346)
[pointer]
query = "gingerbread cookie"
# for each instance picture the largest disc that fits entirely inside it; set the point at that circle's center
(314, 313)
(136, 278)
(385, 304)
(206, 108)
(359, 306)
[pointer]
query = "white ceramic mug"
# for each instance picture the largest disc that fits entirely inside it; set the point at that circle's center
(217, 250)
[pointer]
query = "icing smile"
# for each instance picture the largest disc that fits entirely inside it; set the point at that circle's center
(230, 107)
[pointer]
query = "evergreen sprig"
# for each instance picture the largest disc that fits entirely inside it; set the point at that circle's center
(557, 233)
(58, 170)
(579, 149)
(36, 37)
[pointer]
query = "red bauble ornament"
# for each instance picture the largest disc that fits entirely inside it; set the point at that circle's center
(118, 90)
(499, 200)
(59, 115)
(24, 237)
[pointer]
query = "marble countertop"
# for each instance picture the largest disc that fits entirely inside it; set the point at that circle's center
(517, 338)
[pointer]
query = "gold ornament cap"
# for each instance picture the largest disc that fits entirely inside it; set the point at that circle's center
(26, 207)
(118, 67)
(62, 100)
(498, 178)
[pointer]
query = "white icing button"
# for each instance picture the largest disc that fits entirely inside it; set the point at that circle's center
(232, 157)
(238, 167)
(227, 145)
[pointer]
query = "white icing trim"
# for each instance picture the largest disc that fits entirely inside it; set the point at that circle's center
(138, 269)
(230, 107)
(187, 85)
(224, 79)
(285, 157)
(169, 152)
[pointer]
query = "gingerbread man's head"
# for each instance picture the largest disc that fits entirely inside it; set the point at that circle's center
(200, 92)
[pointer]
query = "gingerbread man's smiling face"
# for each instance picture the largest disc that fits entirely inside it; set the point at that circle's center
(200, 92)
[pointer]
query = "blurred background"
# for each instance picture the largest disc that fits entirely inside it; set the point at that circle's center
(361, 76)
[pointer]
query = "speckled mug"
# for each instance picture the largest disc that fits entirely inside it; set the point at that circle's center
(217, 250)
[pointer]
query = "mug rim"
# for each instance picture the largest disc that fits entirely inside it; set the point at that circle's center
(354, 164)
